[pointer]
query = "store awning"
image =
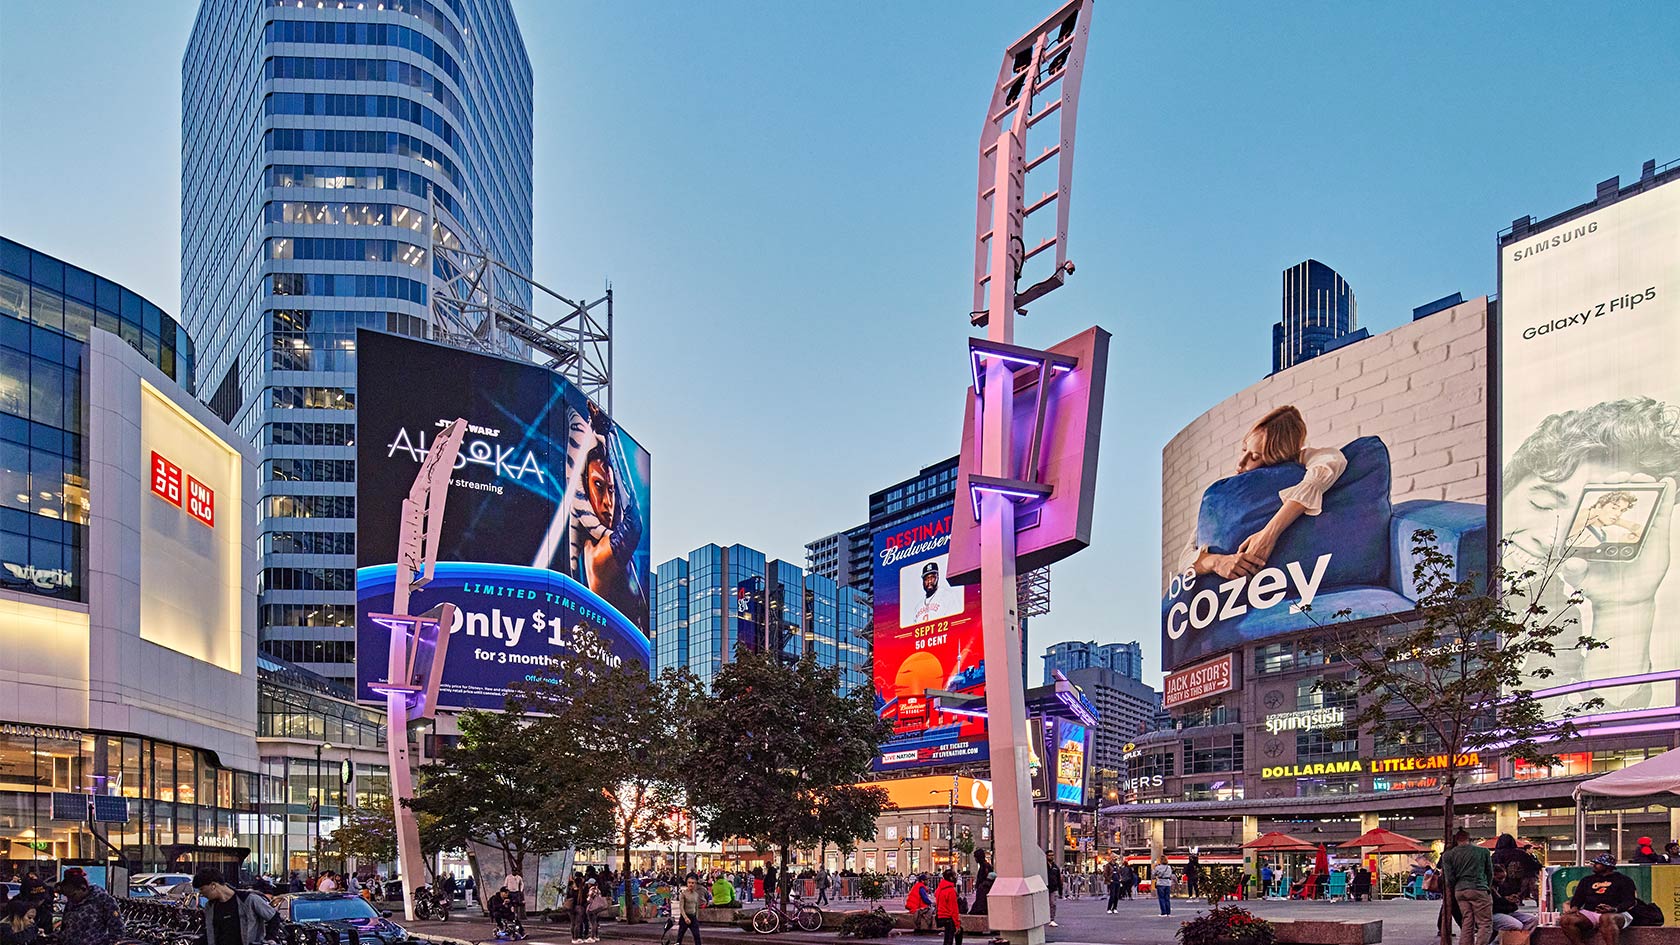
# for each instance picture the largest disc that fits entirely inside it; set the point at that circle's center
(1654, 781)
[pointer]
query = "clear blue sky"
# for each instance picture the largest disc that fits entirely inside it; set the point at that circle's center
(782, 195)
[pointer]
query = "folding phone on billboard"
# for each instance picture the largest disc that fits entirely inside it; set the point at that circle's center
(1053, 451)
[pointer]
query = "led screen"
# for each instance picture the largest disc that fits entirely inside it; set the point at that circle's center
(544, 547)
(930, 668)
(1589, 344)
(1365, 444)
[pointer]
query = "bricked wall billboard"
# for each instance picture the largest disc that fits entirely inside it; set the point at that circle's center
(1305, 488)
(1589, 367)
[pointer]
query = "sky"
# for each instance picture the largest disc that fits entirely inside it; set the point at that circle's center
(782, 196)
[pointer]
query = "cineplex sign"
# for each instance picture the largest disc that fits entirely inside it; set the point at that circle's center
(1373, 765)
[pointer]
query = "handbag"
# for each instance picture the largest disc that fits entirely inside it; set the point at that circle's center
(1646, 913)
(1432, 882)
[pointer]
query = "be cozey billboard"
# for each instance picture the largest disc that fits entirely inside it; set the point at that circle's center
(1297, 498)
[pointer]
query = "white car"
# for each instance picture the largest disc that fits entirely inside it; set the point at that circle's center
(157, 883)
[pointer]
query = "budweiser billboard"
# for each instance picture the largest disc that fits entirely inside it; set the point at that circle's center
(1198, 682)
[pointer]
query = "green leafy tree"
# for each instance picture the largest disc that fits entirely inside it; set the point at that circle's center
(778, 755)
(1457, 677)
(368, 832)
(639, 756)
(522, 784)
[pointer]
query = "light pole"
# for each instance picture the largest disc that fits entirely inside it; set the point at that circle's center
(315, 853)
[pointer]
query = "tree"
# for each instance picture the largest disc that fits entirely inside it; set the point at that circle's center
(521, 784)
(633, 721)
(1457, 677)
(368, 832)
(778, 754)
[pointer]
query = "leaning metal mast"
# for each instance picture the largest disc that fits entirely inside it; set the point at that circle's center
(471, 308)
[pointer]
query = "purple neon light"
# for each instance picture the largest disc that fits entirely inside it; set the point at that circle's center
(1609, 683)
(971, 713)
(981, 354)
(974, 490)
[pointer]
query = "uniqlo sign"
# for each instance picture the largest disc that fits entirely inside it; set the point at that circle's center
(201, 502)
(166, 479)
(183, 492)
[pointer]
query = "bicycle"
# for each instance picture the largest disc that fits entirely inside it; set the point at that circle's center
(798, 914)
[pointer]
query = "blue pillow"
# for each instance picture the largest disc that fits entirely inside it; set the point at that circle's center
(1352, 526)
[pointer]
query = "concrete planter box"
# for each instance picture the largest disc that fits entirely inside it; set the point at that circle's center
(1327, 932)
(1644, 935)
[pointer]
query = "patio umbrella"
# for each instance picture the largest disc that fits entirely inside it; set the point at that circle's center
(1277, 841)
(1386, 841)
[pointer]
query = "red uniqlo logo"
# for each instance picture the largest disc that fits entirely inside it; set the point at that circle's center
(166, 479)
(201, 502)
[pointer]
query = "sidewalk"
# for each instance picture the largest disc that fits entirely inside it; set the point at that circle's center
(477, 930)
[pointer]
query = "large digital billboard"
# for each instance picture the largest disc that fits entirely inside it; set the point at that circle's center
(1589, 345)
(544, 548)
(930, 667)
(1298, 497)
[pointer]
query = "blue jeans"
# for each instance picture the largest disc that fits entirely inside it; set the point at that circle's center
(1164, 893)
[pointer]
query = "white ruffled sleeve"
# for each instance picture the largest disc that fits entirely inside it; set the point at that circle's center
(1324, 467)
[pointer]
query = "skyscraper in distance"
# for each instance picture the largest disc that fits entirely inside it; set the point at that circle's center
(1125, 659)
(315, 137)
(1318, 308)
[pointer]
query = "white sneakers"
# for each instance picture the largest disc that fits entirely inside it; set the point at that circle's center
(1053, 924)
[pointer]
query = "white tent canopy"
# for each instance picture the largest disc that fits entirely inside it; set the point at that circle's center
(1654, 781)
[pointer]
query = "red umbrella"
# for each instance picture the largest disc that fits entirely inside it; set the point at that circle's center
(1386, 841)
(1277, 840)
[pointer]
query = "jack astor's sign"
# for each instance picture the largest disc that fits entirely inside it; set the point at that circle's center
(1373, 765)
(1198, 682)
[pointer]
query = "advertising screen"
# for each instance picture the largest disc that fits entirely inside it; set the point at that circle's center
(1589, 344)
(1298, 497)
(1071, 738)
(930, 669)
(544, 548)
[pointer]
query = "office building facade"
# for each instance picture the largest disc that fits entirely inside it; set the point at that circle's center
(315, 140)
(719, 598)
(1318, 308)
(1126, 659)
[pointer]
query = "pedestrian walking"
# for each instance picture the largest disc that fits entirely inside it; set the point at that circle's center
(984, 876)
(822, 881)
(1467, 880)
(1053, 881)
(232, 916)
(688, 900)
(1163, 885)
(948, 909)
(90, 914)
(515, 885)
(1111, 875)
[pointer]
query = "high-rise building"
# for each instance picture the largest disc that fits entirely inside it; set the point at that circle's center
(718, 598)
(842, 557)
(1126, 709)
(1125, 659)
(1318, 308)
(315, 139)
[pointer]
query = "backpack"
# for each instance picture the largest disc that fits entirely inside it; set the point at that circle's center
(1645, 913)
(271, 928)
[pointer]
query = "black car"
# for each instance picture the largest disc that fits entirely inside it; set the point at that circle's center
(343, 911)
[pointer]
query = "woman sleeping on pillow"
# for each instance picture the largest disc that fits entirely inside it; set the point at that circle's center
(1279, 437)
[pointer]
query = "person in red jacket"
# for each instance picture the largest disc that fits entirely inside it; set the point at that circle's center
(945, 907)
(919, 903)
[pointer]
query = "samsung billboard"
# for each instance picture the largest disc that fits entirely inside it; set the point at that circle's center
(1297, 498)
(544, 549)
(1589, 344)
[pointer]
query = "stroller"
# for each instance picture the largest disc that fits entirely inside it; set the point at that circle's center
(509, 929)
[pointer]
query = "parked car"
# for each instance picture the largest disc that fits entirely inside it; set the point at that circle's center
(342, 911)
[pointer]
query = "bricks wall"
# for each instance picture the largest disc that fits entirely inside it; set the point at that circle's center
(1421, 387)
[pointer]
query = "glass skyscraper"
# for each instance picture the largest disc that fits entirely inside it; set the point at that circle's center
(1126, 659)
(315, 136)
(717, 598)
(1318, 308)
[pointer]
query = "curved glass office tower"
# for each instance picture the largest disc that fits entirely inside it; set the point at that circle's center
(314, 133)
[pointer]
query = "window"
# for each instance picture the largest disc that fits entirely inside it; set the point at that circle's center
(309, 434)
(309, 506)
(1274, 658)
(310, 470)
(356, 286)
(1214, 753)
(1326, 745)
(1335, 784)
(326, 398)
(309, 543)
(306, 579)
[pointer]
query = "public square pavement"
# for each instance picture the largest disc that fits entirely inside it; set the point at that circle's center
(1080, 922)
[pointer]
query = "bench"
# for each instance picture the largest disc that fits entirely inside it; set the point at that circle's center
(1327, 931)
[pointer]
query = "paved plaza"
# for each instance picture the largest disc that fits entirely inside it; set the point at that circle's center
(1080, 922)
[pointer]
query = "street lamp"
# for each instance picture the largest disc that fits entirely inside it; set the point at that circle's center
(315, 802)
